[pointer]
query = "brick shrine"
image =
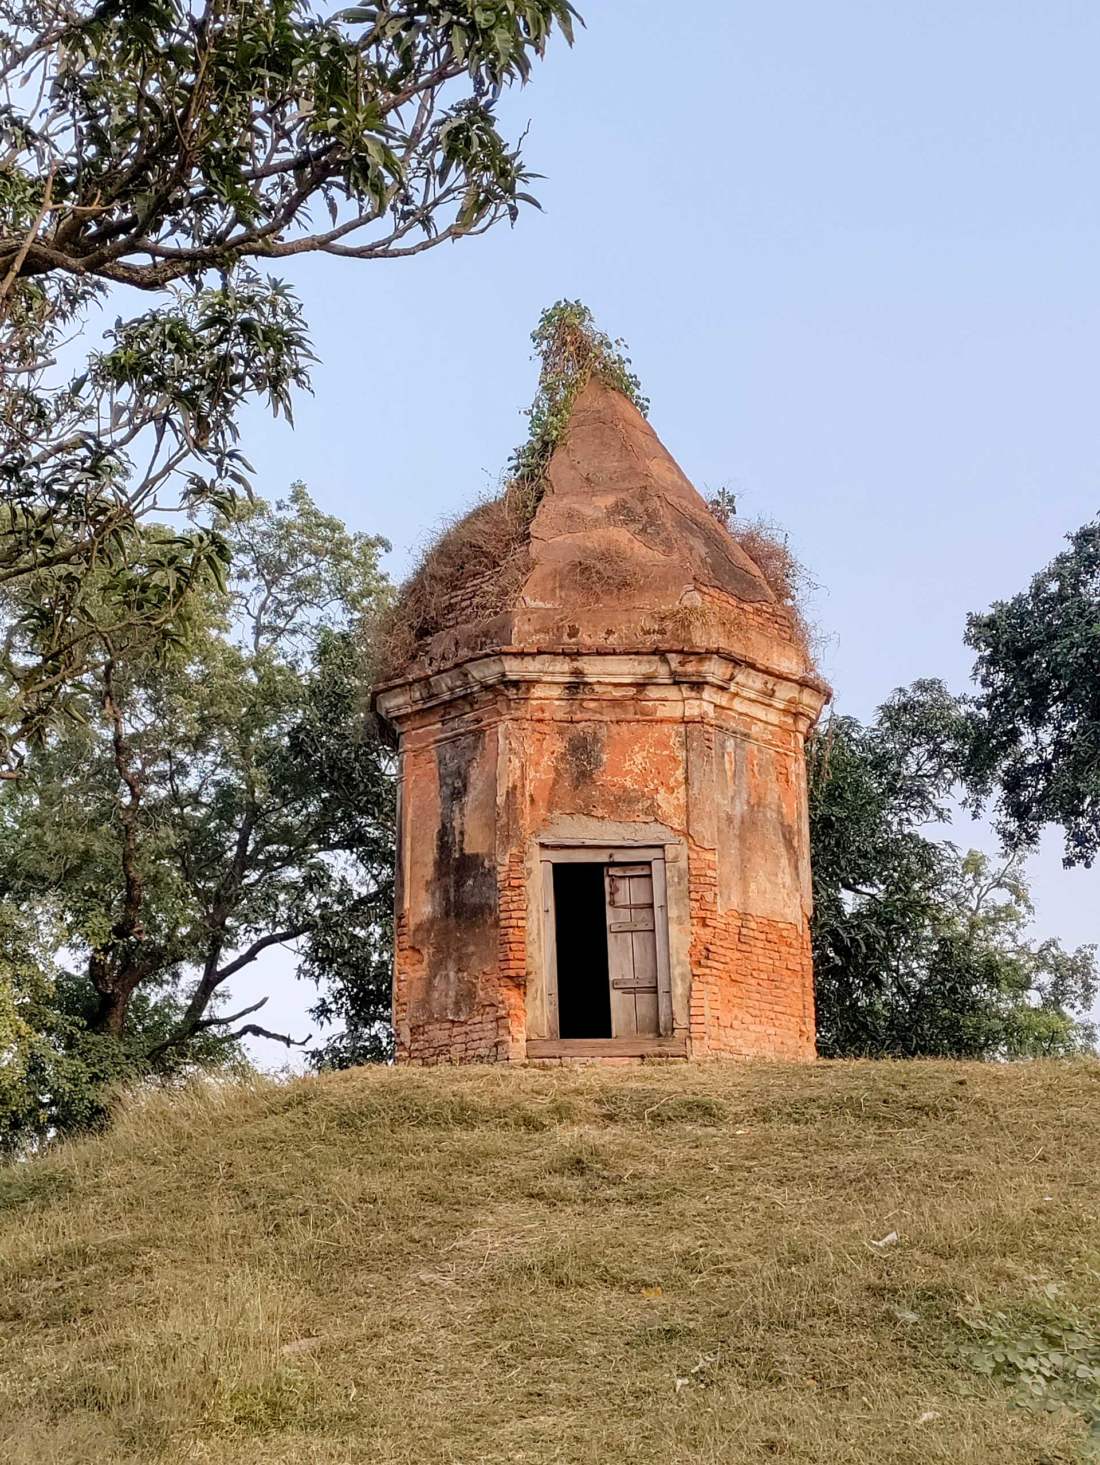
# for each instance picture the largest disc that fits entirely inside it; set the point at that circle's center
(603, 842)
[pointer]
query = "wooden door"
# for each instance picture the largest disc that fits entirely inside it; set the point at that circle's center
(632, 951)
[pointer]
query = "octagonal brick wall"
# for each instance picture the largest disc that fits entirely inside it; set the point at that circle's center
(697, 754)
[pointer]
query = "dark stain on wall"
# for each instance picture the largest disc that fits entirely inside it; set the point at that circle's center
(509, 826)
(466, 884)
(584, 755)
(463, 925)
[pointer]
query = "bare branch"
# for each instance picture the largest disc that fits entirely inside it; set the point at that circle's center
(32, 233)
(277, 938)
(253, 1030)
(214, 1022)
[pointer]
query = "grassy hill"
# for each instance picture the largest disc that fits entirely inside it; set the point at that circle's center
(667, 1264)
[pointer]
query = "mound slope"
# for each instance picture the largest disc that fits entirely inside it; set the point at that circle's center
(661, 1265)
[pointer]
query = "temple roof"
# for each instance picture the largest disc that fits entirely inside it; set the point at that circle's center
(621, 552)
(618, 514)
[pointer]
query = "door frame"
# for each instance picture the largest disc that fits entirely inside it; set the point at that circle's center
(606, 854)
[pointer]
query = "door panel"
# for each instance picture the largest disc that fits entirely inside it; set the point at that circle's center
(632, 951)
(644, 945)
(646, 1014)
(636, 921)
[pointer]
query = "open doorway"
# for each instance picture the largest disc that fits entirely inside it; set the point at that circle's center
(607, 970)
(584, 997)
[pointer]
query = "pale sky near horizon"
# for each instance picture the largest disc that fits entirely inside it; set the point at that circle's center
(854, 250)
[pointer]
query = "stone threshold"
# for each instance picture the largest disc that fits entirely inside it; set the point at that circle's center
(607, 1048)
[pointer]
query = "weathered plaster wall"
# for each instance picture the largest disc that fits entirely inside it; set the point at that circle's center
(447, 997)
(752, 978)
(752, 974)
(716, 778)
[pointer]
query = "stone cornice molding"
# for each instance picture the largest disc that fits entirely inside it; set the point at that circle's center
(569, 675)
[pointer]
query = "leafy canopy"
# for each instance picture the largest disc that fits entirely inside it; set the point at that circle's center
(173, 146)
(151, 139)
(1036, 727)
(921, 950)
(212, 804)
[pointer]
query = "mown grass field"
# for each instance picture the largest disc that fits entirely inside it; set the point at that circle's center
(666, 1264)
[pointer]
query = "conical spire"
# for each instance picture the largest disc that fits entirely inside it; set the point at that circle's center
(620, 522)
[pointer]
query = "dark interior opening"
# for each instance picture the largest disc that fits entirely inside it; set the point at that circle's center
(580, 926)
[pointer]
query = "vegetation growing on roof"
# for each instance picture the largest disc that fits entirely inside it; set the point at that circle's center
(768, 545)
(769, 548)
(572, 350)
(477, 561)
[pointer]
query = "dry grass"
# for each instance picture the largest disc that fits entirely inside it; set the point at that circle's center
(768, 546)
(601, 571)
(664, 1265)
(680, 626)
(469, 571)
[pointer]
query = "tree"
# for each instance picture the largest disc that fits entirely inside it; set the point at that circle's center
(1035, 741)
(920, 950)
(150, 140)
(28, 1020)
(169, 146)
(209, 806)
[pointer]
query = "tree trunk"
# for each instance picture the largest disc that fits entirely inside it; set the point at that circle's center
(110, 1014)
(115, 986)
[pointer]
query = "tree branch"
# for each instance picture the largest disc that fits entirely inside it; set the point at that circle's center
(253, 1030)
(32, 233)
(250, 955)
(213, 1022)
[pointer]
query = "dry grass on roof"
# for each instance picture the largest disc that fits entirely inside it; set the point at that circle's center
(469, 571)
(768, 546)
(569, 1267)
(601, 570)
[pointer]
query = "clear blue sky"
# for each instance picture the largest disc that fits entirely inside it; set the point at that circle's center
(855, 250)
